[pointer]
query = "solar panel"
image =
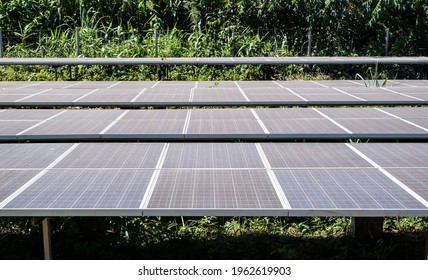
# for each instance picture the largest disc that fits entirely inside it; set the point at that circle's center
(408, 113)
(387, 127)
(49, 99)
(227, 123)
(12, 180)
(113, 155)
(343, 189)
(214, 189)
(30, 155)
(304, 128)
(149, 123)
(396, 154)
(216, 84)
(85, 189)
(212, 155)
(287, 113)
(28, 115)
(354, 113)
(9, 129)
(214, 95)
(415, 178)
(312, 155)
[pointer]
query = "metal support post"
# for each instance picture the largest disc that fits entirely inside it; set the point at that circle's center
(233, 42)
(47, 245)
(1, 43)
(426, 245)
(310, 42)
(77, 41)
(156, 39)
(367, 229)
(387, 42)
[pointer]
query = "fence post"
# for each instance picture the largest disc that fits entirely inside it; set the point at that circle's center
(77, 41)
(387, 42)
(156, 41)
(1, 43)
(233, 41)
(310, 42)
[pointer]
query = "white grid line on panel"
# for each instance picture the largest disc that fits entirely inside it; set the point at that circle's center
(278, 84)
(75, 84)
(242, 91)
(294, 93)
(139, 94)
(37, 93)
(192, 93)
(351, 95)
(277, 186)
(153, 86)
(114, 122)
(396, 92)
(75, 100)
(187, 122)
(389, 175)
(155, 177)
(37, 177)
(333, 121)
(401, 119)
(262, 125)
(40, 123)
(30, 85)
(319, 84)
(115, 84)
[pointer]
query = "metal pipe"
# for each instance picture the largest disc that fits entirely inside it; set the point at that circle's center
(319, 60)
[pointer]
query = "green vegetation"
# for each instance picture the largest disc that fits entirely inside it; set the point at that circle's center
(46, 28)
(210, 238)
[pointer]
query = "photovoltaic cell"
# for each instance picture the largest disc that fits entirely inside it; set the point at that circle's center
(415, 178)
(396, 154)
(408, 112)
(148, 127)
(287, 113)
(343, 189)
(11, 128)
(218, 95)
(380, 126)
(214, 189)
(31, 115)
(212, 155)
(113, 155)
(312, 155)
(309, 127)
(30, 155)
(353, 113)
(12, 180)
(85, 189)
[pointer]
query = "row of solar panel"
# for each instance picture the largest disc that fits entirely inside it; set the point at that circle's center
(274, 123)
(136, 94)
(89, 179)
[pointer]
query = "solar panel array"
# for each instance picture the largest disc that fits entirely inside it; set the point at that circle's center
(255, 93)
(256, 124)
(302, 179)
(185, 177)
